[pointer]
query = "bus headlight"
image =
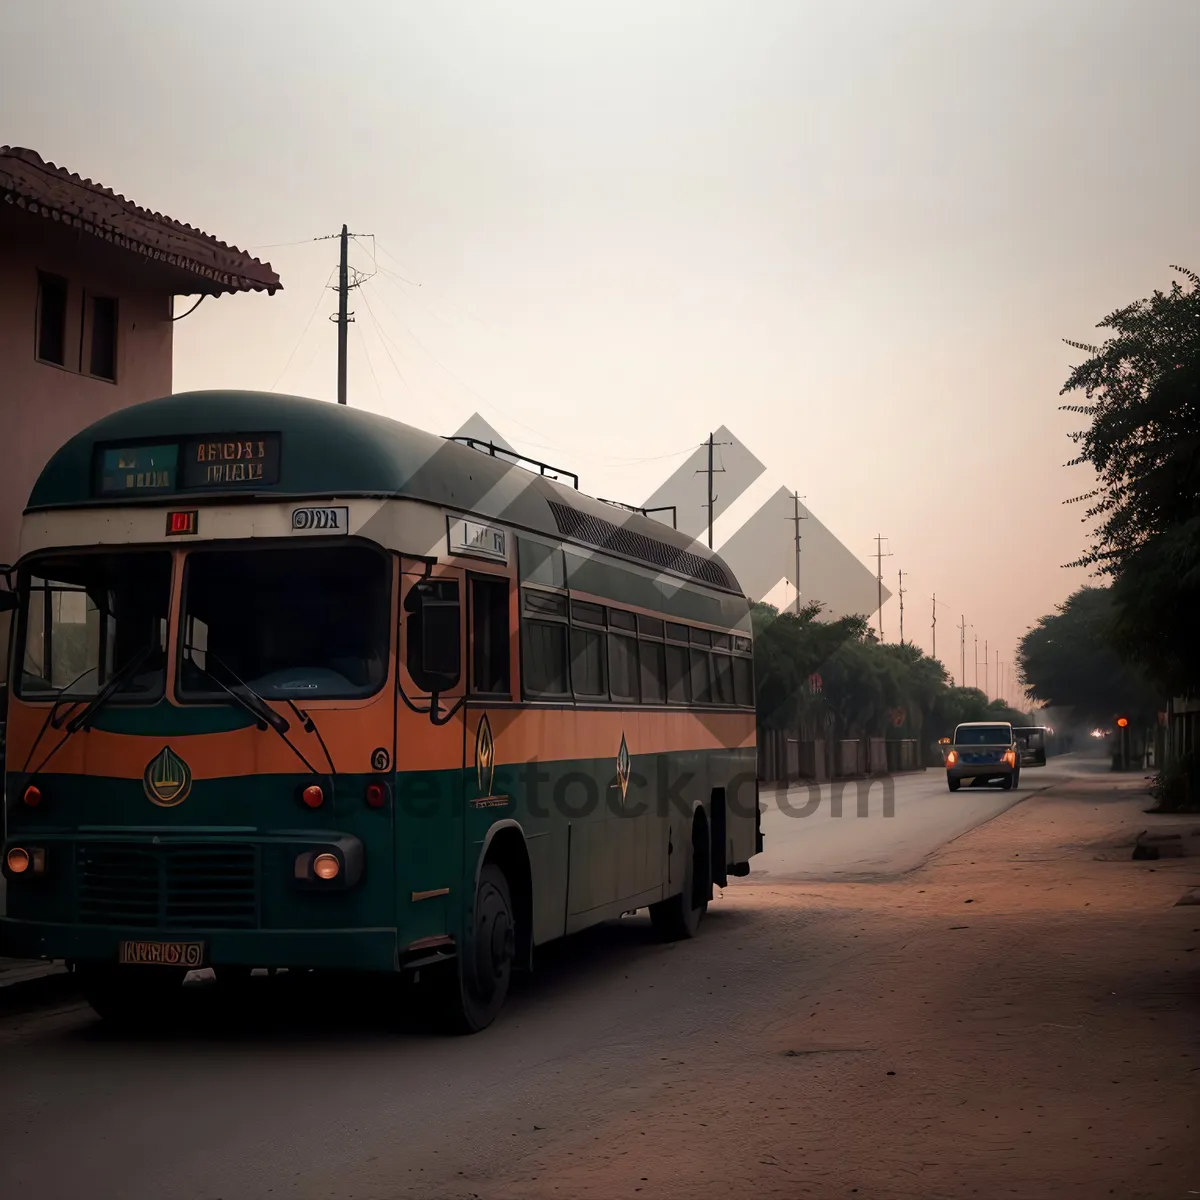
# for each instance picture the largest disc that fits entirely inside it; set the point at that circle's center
(21, 862)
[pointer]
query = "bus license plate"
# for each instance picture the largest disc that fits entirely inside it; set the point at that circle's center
(166, 954)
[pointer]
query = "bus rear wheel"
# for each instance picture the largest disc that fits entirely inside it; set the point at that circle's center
(679, 917)
(479, 980)
(131, 997)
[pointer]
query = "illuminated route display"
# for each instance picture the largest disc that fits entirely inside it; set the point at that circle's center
(217, 463)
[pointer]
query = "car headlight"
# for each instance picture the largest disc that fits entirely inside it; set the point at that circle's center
(951, 758)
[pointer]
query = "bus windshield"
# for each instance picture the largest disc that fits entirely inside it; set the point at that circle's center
(982, 735)
(85, 617)
(296, 623)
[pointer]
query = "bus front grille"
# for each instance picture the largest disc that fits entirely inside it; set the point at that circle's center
(188, 886)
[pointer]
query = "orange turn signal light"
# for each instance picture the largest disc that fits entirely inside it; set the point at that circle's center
(951, 758)
(326, 866)
(313, 796)
(33, 796)
(18, 860)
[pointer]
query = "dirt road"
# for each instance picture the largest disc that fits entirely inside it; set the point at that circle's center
(1015, 1018)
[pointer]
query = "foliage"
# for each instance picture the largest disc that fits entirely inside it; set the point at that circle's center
(1143, 399)
(1177, 786)
(864, 686)
(1067, 660)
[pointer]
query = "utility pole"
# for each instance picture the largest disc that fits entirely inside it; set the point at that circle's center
(901, 594)
(985, 670)
(796, 518)
(962, 652)
(934, 626)
(977, 660)
(343, 317)
(999, 689)
(709, 472)
(880, 555)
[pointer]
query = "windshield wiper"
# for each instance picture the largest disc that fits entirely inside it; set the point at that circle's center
(243, 693)
(253, 703)
(83, 718)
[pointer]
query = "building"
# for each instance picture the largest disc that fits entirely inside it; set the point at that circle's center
(88, 282)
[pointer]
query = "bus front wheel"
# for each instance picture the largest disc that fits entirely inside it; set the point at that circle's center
(479, 981)
(679, 917)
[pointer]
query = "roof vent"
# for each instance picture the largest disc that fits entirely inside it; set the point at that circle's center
(604, 535)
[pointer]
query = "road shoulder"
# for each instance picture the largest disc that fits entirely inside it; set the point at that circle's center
(1016, 1017)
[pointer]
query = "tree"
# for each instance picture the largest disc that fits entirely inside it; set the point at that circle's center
(1143, 399)
(1067, 660)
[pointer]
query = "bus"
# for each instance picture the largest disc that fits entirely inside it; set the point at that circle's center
(299, 686)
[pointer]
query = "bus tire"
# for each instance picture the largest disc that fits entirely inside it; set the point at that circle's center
(131, 997)
(479, 983)
(678, 917)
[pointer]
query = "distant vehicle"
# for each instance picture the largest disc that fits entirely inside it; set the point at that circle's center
(984, 752)
(1031, 741)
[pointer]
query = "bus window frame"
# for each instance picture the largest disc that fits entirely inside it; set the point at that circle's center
(564, 620)
(493, 577)
(218, 698)
(16, 643)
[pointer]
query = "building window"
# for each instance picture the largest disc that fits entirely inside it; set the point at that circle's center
(102, 360)
(52, 320)
(489, 637)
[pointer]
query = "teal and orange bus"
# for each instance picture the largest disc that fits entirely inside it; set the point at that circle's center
(298, 686)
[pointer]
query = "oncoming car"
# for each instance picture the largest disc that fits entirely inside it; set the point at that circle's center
(983, 752)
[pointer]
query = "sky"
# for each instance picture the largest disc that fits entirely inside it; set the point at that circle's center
(854, 233)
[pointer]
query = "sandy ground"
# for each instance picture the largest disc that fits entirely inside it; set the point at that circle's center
(1020, 1017)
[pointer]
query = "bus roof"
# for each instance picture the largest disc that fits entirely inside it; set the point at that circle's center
(328, 450)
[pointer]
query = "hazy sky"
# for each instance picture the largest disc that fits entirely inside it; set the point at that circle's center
(853, 232)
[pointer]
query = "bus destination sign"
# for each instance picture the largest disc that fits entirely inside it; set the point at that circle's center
(139, 470)
(221, 462)
(215, 463)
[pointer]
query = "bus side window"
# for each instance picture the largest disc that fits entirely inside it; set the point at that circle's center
(434, 643)
(489, 637)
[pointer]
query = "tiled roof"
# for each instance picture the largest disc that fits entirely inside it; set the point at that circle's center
(42, 188)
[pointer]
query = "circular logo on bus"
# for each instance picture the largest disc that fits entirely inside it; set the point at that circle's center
(380, 759)
(167, 779)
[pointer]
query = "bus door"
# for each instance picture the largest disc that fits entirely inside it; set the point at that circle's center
(430, 723)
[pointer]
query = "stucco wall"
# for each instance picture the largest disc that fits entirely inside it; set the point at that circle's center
(42, 405)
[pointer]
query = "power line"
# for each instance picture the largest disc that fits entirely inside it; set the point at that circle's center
(304, 332)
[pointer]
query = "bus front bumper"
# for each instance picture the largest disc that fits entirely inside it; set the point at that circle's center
(298, 949)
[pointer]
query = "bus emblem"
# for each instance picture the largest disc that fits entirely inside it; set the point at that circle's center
(485, 757)
(167, 779)
(623, 768)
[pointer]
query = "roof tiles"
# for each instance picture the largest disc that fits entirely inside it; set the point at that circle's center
(50, 191)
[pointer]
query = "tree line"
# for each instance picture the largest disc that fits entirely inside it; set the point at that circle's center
(837, 678)
(1130, 642)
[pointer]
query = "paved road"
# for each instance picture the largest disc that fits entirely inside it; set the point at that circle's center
(843, 831)
(302, 1097)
